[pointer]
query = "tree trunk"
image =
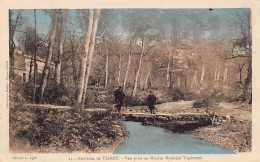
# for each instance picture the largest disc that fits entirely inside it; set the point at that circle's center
(202, 75)
(240, 74)
(247, 80)
(136, 77)
(168, 71)
(147, 77)
(218, 72)
(138, 71)
(90, 55)
(195, 78)
(48, 59)
(30, 71)
(185, 82)
(141, 82)
(225, 74)
(179, 81)
(82, 72)
(35, 58)
(250, 100)
(171, 74)
(12, 28)
(127, 68)
(74, 69)
(106, 80)
(119, 68)
(58, 63)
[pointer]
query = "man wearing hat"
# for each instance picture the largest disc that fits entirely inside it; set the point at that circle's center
(119, 98)
(151, 99)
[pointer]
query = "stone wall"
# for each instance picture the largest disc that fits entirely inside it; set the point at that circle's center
(177, 123)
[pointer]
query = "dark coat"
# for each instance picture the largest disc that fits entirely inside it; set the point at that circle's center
(119, 96)
(151, 99)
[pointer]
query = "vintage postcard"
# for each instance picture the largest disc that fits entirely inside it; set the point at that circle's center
(129, 81)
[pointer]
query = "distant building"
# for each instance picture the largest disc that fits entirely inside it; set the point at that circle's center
(22, 65)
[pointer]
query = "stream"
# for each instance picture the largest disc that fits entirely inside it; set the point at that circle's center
(155, 140)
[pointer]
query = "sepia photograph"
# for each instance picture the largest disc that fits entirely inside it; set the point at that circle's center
(130, 80)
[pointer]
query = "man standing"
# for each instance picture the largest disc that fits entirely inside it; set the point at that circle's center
(119, 98)
(151, 99)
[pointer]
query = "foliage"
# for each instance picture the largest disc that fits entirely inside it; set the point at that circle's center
(29, 91)
(98, 98)
(16, 91)
(202, 102)
(176, 94)
(188, 58)
(133, 101)
(209, 96)
(56, 94)
(70, 130)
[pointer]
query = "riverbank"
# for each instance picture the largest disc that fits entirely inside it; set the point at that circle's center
(235, 135)
(49, 130)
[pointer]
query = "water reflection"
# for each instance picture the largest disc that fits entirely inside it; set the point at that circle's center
(154, 140)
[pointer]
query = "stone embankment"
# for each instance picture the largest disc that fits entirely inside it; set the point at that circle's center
(178, 122)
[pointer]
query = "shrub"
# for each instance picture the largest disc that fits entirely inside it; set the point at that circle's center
(56, 94)
(133, 101)
(70, 130)
(28, 91)
(199, 103)
(98, 98)
(177, 94)
(16, 91)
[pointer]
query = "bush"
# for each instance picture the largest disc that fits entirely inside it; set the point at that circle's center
(56, 94)
(70, 130)
(177, 94)
(133, 101)
(100, 99)
(28, 91)
(199, 103)
(16, 91)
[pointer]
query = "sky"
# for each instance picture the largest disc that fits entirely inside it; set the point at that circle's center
(222, 17)
(43, 20)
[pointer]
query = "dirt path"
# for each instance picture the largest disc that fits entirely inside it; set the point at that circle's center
(48, 106)
(167, 108)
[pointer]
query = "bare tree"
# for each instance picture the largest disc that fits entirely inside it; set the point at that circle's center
(106, 79)
(219, 69)
(202, 74)
(142, 55)
(242, 46)
(60, 54)
(147, 77)
(225, 73)
(81, 81)
(15, 21)
(48, 58)
(194, 82)
(119, 67)
(35, 55)
(132, 42)
(90, 55)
